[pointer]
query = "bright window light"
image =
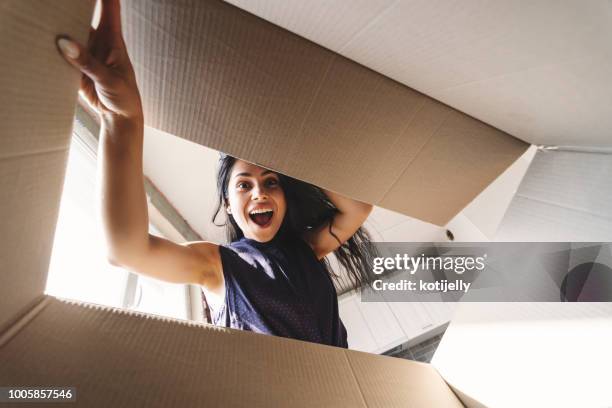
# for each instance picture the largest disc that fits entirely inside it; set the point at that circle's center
(79, 269)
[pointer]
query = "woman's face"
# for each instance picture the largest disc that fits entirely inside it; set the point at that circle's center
(256, 201)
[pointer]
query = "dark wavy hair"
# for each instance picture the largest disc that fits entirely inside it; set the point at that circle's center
(307, 208)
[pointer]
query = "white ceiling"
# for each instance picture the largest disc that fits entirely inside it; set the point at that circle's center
(539, 70)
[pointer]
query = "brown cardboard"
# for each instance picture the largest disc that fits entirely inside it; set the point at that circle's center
(123, 359)
(38, 95)
(219, 76)
(540, 73)
(127, 359)
(387, 381)
(113, 357)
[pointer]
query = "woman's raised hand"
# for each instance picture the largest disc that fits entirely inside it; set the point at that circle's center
(108, 82)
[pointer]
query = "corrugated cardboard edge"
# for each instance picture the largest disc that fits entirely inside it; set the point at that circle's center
(12, 328)
(155, 353)
(39, 93)
(390, 381)
(116, 379)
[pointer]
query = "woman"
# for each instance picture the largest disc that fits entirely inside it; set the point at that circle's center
(272, 277)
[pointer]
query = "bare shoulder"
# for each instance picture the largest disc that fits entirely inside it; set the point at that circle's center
(209, 250)
(213, 281)
(204, 247)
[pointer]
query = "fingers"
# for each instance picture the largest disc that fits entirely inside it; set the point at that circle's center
(83, 60)
(111, 17)
(88, 90)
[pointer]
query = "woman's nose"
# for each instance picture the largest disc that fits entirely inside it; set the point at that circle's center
(259, 194)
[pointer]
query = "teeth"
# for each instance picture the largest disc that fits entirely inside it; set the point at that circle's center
(260, 211)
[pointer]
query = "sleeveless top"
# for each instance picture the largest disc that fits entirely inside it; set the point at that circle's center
(279, 288)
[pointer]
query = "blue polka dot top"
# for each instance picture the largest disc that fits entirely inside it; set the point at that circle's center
(279, 288)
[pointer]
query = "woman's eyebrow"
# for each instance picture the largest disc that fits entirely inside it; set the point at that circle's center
(250, 175)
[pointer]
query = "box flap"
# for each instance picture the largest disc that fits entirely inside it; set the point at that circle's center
(564, 196)
(540, 73)
(36, 109)
(126, 359)
(529, 354)
(219, 76)
(389, 381)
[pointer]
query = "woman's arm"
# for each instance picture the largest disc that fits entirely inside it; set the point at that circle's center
(352, 214)
(125, 220)
(109, 85)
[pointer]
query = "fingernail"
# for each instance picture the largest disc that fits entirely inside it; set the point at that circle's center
(69, 48)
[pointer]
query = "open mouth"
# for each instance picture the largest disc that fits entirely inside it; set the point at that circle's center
(262, 217)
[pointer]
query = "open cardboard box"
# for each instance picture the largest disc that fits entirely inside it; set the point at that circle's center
(255, 103)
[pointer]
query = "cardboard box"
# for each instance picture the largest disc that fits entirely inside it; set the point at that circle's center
(116, 358)
(540, 73)
(219, 76)
(565, 196)
(528, 354)
(113, 357)
(124, 359)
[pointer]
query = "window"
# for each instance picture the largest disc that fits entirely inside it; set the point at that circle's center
(79, 269)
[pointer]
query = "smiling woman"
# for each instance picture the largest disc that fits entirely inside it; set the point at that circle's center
(276, 279)
(255, 199)
(272, 277)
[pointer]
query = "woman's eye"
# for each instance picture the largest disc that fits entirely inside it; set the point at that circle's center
(272, 182)
(242, 185)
